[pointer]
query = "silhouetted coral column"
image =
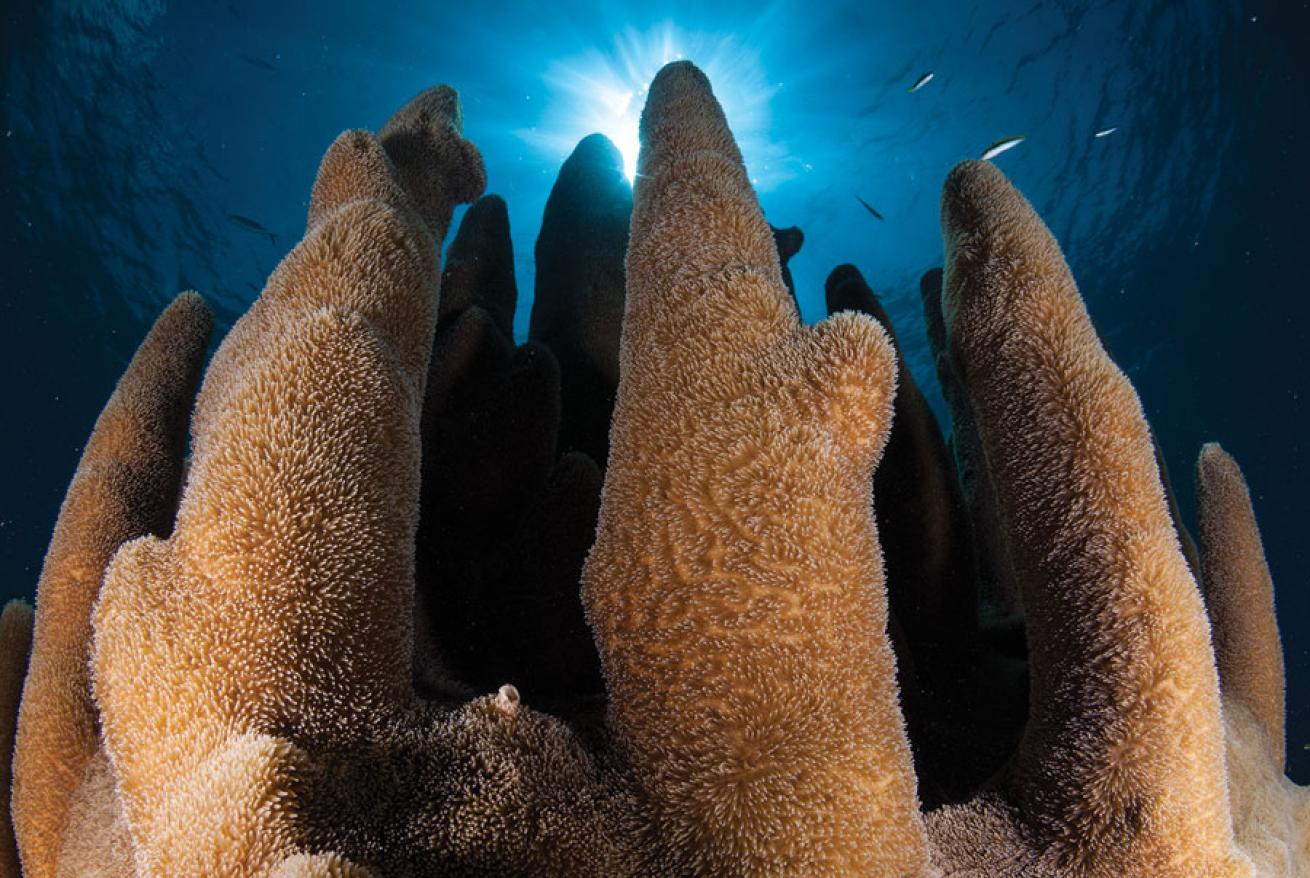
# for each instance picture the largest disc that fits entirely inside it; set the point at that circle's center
(577, 311)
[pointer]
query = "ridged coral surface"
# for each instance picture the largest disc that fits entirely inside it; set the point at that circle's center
(735, 588)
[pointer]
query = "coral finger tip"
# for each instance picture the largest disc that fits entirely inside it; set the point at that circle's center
(970, 170)
(969, 183)
(191, 299)
(679, 74)
(1215, 466)
(437, 105)
(1213, 453)
(188, 310)
(680, 67)
(17, 608)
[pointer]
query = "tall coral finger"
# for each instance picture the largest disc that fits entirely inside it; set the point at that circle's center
(578, 308)
(995, 573)
(287, 587)
(578, 305)
(284, 592)
(734, 587)
(692, 199)
(126, 485)
(15, 648)
(1121, 769)
(1239, 594)
(480, 266)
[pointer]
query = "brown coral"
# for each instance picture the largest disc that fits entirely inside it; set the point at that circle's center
(1121, 768)
(15, 648)
(281, 503)
(1271, 815)
(1239, 594)
(735, 586)
(256, 681)
(285, 503)
(125, 486)
(276, 729)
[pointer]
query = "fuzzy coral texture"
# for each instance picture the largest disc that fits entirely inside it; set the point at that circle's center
(312, 650)
(735, 587)
(125, 486)
(1121, 766)
(15, 649)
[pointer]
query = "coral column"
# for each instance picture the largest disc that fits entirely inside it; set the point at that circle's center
(735, 588)
(1121, 767)
(126, 485)
(286, 588)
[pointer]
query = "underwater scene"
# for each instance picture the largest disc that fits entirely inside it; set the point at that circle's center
(666, 439)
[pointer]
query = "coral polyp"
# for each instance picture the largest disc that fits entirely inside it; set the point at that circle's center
(407, 610)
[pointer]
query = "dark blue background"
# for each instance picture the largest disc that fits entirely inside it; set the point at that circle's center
(129, 131)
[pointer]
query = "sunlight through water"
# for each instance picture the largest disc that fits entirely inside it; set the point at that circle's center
(605, 90)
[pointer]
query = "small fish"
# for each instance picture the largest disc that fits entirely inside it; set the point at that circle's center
(868, 207)
(257, 62)
(245, 222)
(1001, 146)
(1106, 132)
(920, 83)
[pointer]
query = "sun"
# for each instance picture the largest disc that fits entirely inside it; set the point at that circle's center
(604, 91)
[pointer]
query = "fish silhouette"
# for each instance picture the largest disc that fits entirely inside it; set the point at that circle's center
(245, 222)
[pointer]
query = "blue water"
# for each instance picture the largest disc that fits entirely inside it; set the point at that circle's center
(130, 131)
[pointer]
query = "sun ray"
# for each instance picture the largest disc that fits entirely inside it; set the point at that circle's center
(604, 91)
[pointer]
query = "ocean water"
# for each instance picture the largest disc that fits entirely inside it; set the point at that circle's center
(131, 134)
